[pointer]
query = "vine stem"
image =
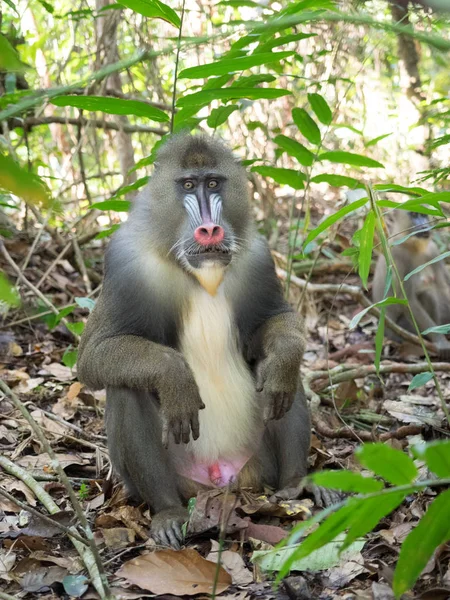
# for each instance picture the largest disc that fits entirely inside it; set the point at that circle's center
(177, 58)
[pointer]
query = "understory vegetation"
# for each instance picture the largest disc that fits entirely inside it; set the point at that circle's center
(340, 112)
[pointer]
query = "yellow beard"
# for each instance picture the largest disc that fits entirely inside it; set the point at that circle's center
(210, 276)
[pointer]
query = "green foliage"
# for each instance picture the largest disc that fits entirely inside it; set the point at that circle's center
(358, 515)
(112, 106)
(22, 183)
(9, 59)
(306, 125)
(320, 108)
(282, 176)
(153, 9)
(115, 205)
(231, 93)
(295, 149)
(232, 65)
(348, 158)
(419, 380)
(70, 357)
(8, 293)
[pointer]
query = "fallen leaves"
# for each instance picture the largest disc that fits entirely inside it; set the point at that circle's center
(180, 573)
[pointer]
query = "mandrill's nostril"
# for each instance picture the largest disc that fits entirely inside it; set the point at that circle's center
(209, 234)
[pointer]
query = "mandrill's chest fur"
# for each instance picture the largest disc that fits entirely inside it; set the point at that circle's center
(209, 343)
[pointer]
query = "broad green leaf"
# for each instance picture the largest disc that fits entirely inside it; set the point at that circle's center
(365, 247)
(11, 4)
(445, 329)
(283, 40)
(107, 232)
(232, 65)
(85, 303)
(112, 106)
(392, 187)
(359, 516)
(320, 108)
(334, 218)
(427, 264)
(347, 481)
(126, 189)
(436, 455)
(306, 125)
(392, 465)
(412, 205)
(377, 139)
(8, 293)
(53, 320)
(76, 328)
(282, 176)
(336, 180)
(238, 3)
(48, 7)
(206, 96)
(69, 357)
(382, 303)
(349, 158)
(436, 197)
(295, 149)
(219, 115)
(20, 182)
(419, 380)
(432, 531)
(153, 9)
(379, 338)
(9, 59)
(252, 80)
(326, 557)
(116, 205)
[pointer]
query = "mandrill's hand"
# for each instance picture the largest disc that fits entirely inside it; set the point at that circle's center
(180, 400)
(276, 382)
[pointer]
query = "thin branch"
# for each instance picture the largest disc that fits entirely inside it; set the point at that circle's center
(175, 77)
(30, 122)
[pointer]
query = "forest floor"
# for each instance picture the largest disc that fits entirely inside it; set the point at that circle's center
(37, 559)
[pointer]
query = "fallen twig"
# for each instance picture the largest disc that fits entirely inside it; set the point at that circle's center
(348, 433)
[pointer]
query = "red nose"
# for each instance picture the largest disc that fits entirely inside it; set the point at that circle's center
(209, 234)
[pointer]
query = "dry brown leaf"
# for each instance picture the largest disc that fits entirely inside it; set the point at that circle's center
(266, 533)
(42, 577)
(7, 560)
(232, 562)
(60, 372)
(118, 537)
(28, 385)
(43, 461)
(170, 572)
(74, 390)
(48, 424)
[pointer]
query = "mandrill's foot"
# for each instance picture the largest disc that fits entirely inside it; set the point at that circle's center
(166, 526)
(323, 497)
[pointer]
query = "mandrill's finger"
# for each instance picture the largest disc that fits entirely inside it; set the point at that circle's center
(165, 432)
(268, 413)
(195, 426)
(185, 431)
(176, 430)
(260, 377)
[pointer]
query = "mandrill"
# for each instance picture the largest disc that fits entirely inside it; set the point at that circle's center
(196, 347)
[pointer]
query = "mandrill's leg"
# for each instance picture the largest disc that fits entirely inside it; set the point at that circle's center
(133, 427)
(290, 438)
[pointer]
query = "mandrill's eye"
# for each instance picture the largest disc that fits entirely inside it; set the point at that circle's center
(188, 185)
(212, 183)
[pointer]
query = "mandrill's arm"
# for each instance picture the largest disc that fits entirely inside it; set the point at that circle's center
(116, 360)
(278, 347)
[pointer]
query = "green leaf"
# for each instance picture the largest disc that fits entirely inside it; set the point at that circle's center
(295, 149)
(432, 531)
(346, 481)
(219, 115)
(107, 232)
(22, 183)
(377, 139)
(9, 59)
(252, 80)
(232, 65)
(123, 191)
(392, 187)
(69, 357)
(436, 197)
(382, 303)
(53, 320)
(336, 180)
(11, 4)
(412, 205)
(76, 328)
(48, 7)
(306, 125)
(365, 247)
(282, 176)
(112, 106)
(332, 219)
(427, 264)
(206, 96)
(85, 303)
(153, 9)
(436, 455)
(116, 205)
(419, 380)
(392, 465)
(320, 108)
(8, 293)
(349, 158)
(445, 329)
(326, 557)
(283, 40)
(359, 516)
